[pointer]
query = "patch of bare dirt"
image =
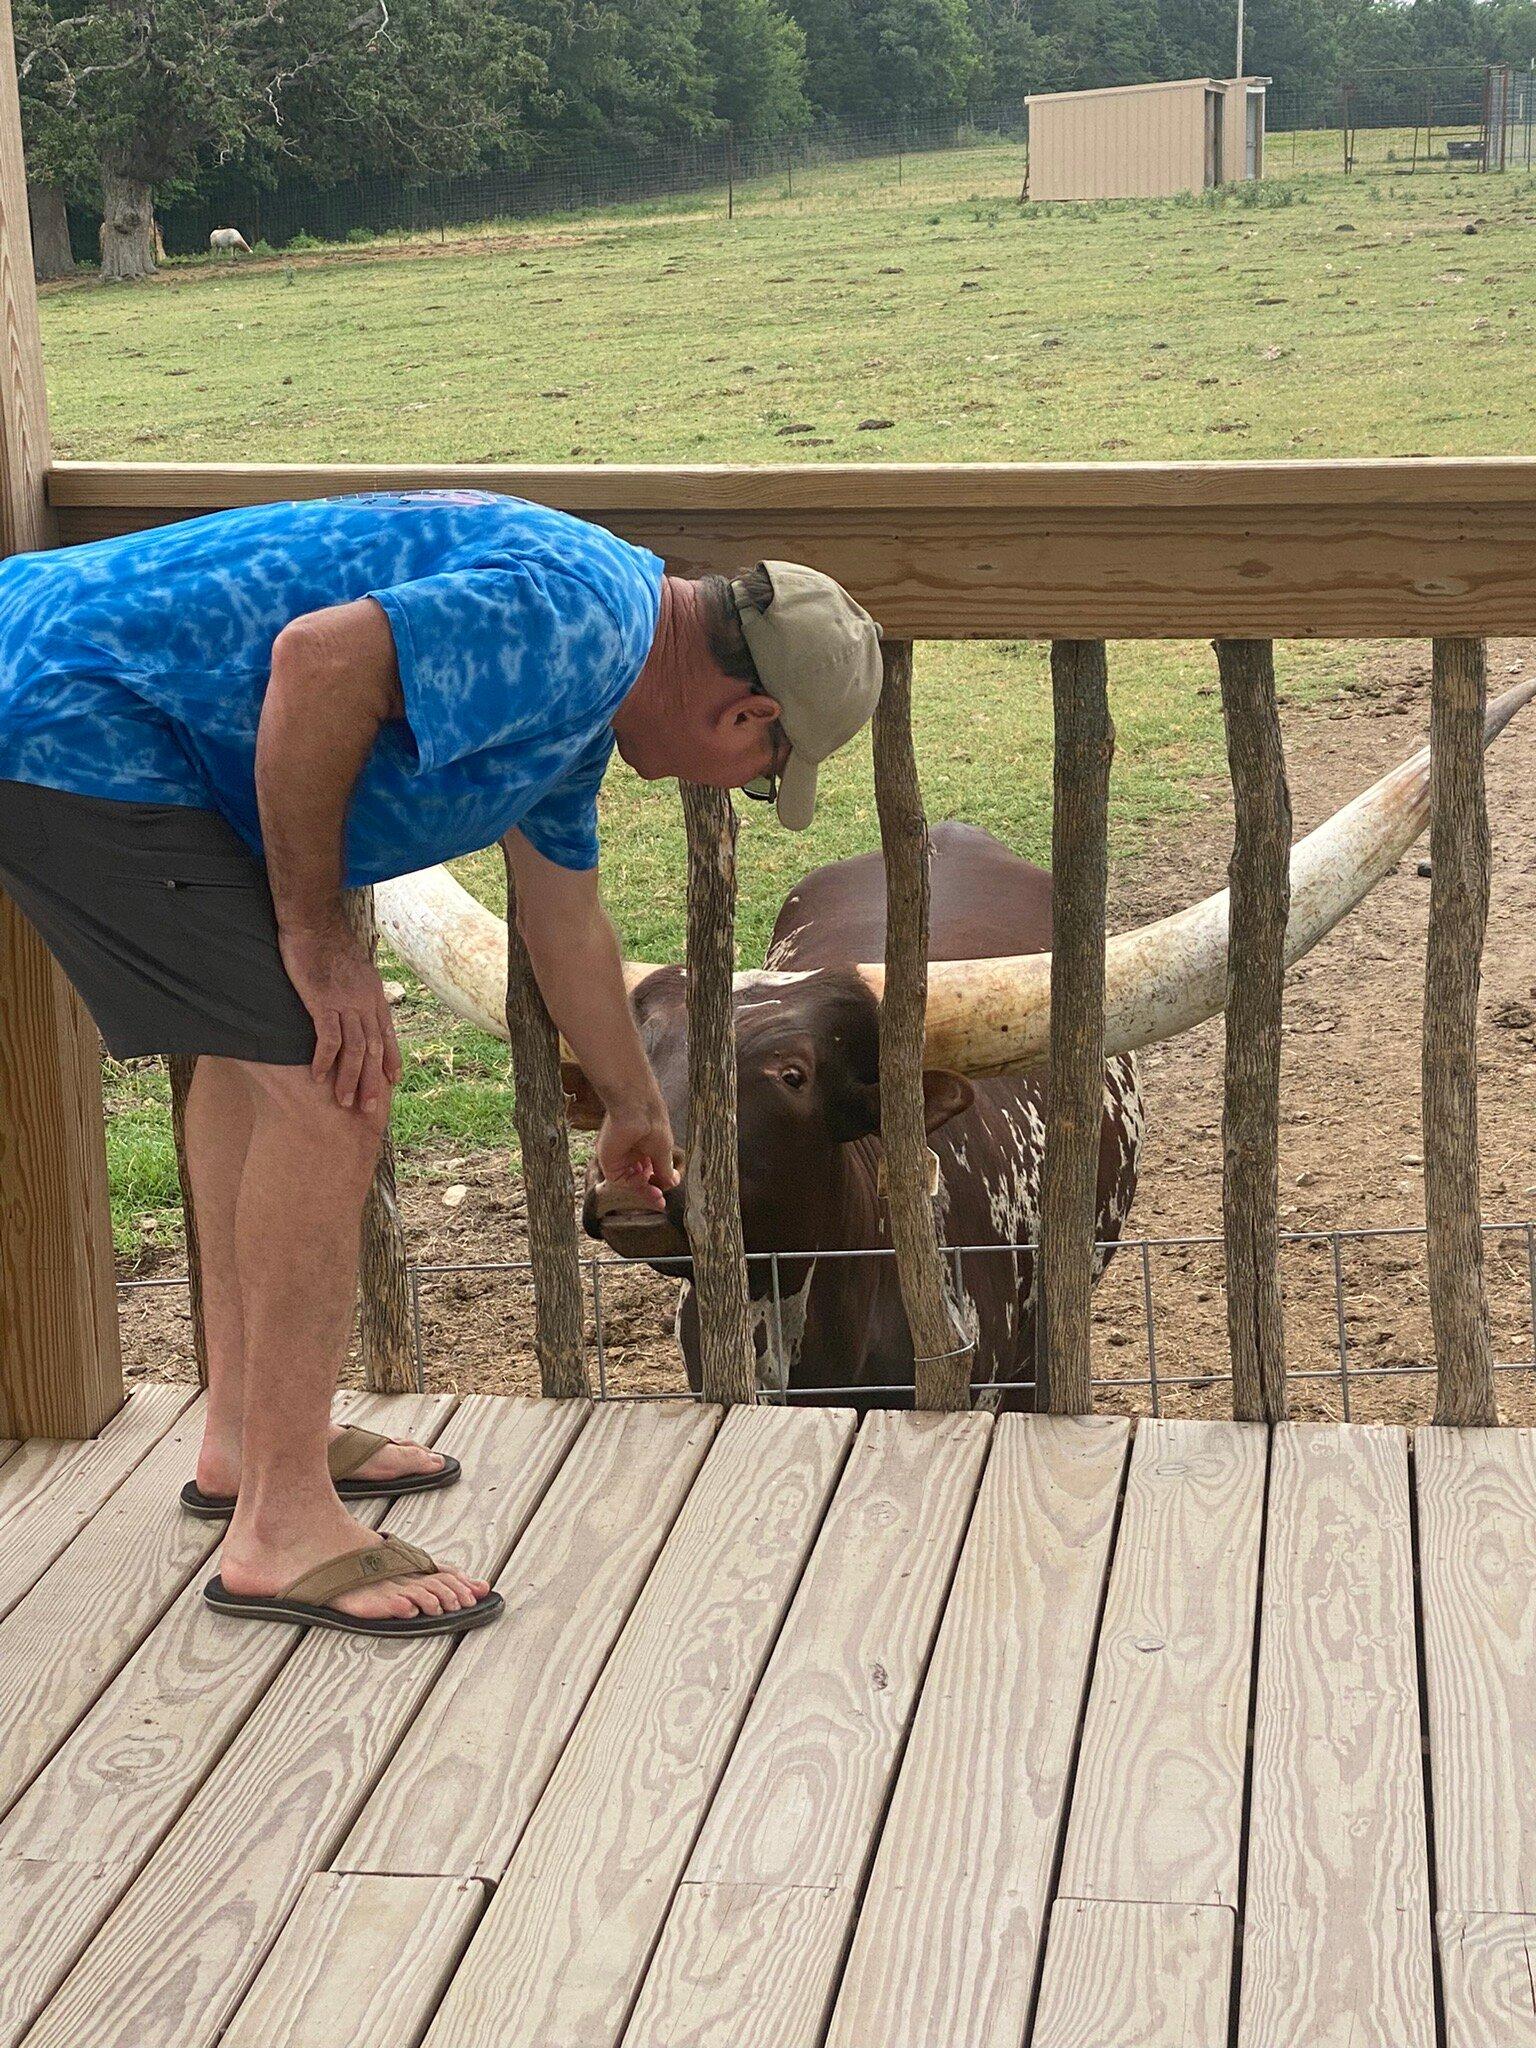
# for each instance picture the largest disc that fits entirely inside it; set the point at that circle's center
(1351, 1146)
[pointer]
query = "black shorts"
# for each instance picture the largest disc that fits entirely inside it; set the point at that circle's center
(163, 920)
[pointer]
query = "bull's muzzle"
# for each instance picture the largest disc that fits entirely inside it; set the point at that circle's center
(613, 1211)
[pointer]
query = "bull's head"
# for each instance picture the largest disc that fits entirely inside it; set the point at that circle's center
(807, 1077)
(802, 1087)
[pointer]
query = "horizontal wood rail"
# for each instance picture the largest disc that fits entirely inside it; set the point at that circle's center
(1344, 550)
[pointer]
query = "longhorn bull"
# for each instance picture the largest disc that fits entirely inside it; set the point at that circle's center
(807, 1038)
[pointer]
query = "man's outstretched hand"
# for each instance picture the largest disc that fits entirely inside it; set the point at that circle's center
(635, 1151)
(342, 990)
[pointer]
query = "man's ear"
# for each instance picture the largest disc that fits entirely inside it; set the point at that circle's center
(583, 1105)
(944, 1095)
(750, 708)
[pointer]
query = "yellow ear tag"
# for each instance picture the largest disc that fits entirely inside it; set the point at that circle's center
(882, 1186)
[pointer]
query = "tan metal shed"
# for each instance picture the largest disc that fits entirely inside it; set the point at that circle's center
(1142, 141)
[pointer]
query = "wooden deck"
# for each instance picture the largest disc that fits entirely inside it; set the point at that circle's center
(931, 1732)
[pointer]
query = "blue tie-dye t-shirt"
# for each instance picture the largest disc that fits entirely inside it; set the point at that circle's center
(135, 668)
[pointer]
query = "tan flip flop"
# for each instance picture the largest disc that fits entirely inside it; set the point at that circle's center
(352, 1448)
(305, 1601)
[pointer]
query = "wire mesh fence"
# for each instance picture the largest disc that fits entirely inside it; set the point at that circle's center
(1482, 119)
(716, 171)
(1479, 121)
(1356, 1301)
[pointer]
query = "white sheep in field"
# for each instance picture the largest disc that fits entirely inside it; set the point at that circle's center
(227, 241)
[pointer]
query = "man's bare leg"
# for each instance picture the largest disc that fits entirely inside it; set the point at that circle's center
(297, 1219)
(218, 1135)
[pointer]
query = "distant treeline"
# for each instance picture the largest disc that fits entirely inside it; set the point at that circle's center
(127, 102)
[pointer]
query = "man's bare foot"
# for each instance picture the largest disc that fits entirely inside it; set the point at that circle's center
(249, 1566)
(218, 1464)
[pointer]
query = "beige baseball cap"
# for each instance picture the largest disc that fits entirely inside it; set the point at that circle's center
(818, 656)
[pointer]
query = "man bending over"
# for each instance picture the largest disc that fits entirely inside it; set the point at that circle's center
(206, 733)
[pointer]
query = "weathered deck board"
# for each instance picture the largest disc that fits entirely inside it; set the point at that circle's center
(81, 1621)
(945, 1951)
(1488, 1974)
(216, 1892)
(577, 1915)
(1477, 1536)
(1157, 1805)
(361, 1963)
(734, 1662)
(752, 1945)
(52, 1488)
(74, 1843)
(1136, 1976)
(1337, 1936)
(63, 1643)
(459, 1791)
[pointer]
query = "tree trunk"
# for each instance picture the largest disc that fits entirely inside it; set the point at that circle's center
(127, 227)
(52, 256)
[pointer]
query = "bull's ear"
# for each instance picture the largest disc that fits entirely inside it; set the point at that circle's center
(944, 1095)
(583, 1105)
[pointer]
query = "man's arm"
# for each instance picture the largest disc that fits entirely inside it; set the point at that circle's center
(580, 973)
(334, 683)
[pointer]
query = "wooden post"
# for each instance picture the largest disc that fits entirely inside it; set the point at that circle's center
(1458, 914)
(60, 1365)
(538, 1113)
(181, 1068)
(385, 1334)
(1085, 746)
(942, 1370)
(712, 1211)
(1259, 876)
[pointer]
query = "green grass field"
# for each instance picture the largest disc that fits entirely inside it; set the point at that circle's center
(859, 319)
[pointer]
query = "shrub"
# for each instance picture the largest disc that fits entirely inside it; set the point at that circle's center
(303, 241)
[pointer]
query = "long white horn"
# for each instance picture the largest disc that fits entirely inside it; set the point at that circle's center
(994, 1016)
(456, 945)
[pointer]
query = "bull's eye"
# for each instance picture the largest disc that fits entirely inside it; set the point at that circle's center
(792, 1077)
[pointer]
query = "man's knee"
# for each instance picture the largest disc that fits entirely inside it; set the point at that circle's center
(292, 1097)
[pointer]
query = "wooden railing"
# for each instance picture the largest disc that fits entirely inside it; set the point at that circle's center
(1439, 550)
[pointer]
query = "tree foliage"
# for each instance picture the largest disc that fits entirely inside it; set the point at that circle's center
(129, 98)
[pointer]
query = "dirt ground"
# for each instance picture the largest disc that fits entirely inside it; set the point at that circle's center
(1351, 1147)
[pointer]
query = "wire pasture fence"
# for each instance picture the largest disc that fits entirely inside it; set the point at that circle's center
(715, 171)
(1356, 1302)
(1470, 121)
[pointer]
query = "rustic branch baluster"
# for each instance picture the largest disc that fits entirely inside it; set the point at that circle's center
(538, 1114)
(1458, 915)
(943, 1368)
(1085, 746)
(713, 1207)
(385, 1336)
(181, 1068)
(1260, 883)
